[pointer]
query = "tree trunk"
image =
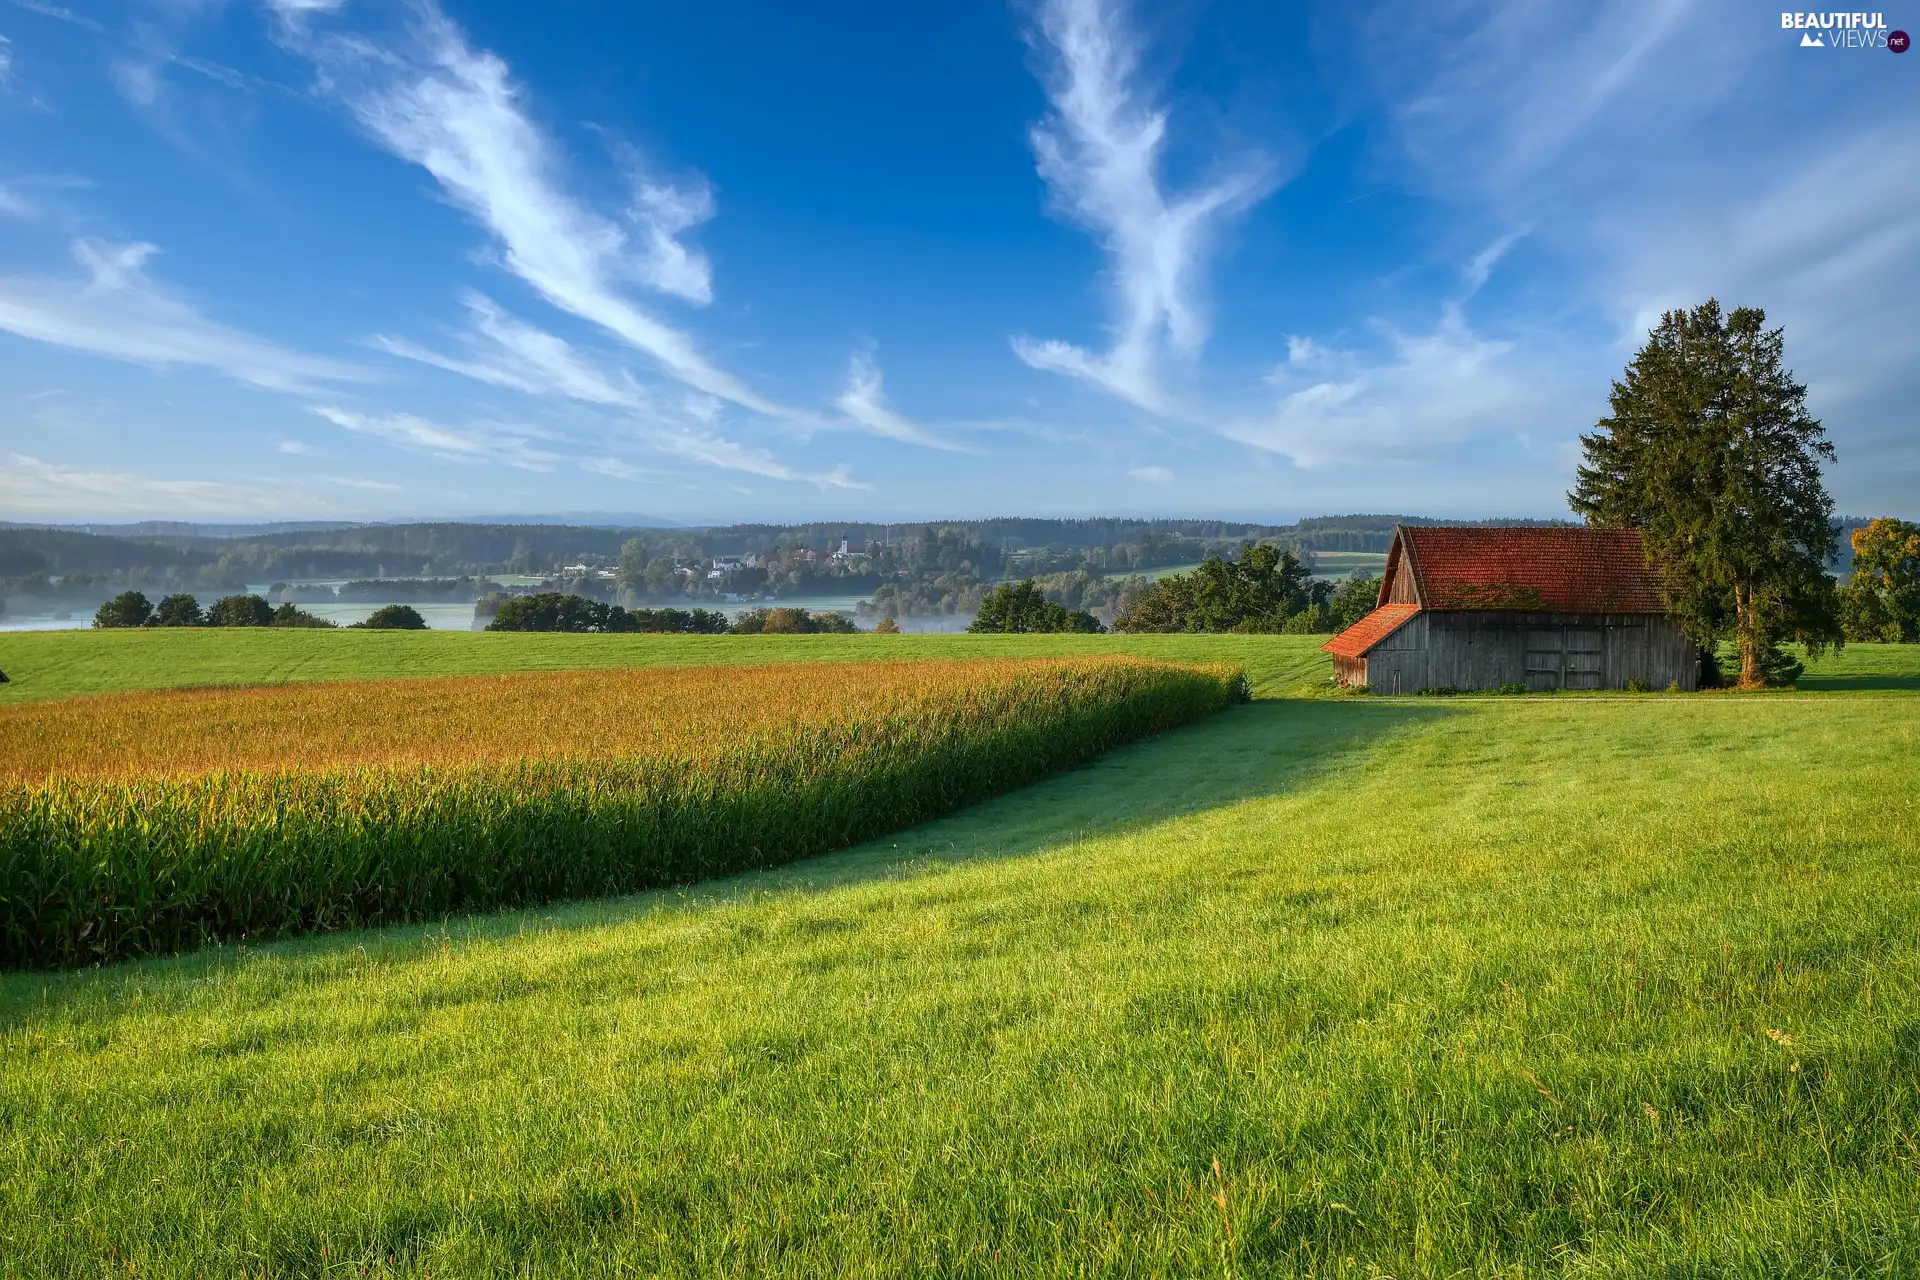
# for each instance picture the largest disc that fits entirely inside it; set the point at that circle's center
(1750, 677)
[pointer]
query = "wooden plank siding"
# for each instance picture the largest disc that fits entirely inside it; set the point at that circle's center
(1544, 651)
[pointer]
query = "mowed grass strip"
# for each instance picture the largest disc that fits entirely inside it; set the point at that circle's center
(1597, 989)
(150, 822)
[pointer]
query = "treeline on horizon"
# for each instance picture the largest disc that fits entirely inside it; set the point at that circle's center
(895, 569)
(450, 548)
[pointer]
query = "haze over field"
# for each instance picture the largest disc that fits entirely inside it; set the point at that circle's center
(321, 258)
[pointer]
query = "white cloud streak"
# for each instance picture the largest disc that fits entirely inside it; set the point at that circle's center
(1099, 152)
(61, 14)
(661, 213)
(484, 442)
(354, 482)
(865, 401)
(29, 486)
(507, 352)
(693, 445)
(1430, 392)
(120, 313)
(615, 468)
(481, 442)
(436, 102)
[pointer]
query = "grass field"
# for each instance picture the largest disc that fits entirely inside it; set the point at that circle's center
(1584, 987)
(1349, 564)
(60, 664)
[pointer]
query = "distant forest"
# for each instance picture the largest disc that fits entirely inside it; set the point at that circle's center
(937, 567)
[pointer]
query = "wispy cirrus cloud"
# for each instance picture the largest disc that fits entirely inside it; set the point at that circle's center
(504, 351)
(479, 442)
(60, 13)
(662, 213)
(615, 468)
(865, 402)
(120, 312)
(29, 486)
(692, 444)
(533, 449)
(432, 99)
(1099, 152)
(299, 10)
(1426, 393)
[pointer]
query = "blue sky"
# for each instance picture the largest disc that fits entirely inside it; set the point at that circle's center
(733, 260)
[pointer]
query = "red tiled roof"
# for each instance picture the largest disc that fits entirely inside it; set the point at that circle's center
(1560, 570)
(1370, 630)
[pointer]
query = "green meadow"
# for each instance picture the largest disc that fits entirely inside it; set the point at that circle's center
(60, 664)
(1318, 986)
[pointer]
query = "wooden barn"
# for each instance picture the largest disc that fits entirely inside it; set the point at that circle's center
(1482, 607)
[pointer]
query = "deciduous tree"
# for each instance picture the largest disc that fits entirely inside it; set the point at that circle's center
(128, 609)
(1257, 591)
(1024, 607)
(240, 611)
(395, 617)
(631, 575)
(178, 610)
(1883, 600)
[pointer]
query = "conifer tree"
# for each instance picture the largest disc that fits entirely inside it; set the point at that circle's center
(1709, 450)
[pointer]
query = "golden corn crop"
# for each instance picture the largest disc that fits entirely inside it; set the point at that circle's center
(148, 822)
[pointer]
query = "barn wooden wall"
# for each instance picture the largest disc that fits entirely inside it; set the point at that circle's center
(1544, 651)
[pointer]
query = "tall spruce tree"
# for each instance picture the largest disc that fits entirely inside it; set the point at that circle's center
(1710, 452)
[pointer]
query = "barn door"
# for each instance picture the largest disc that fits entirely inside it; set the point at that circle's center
(1563, 658)
(1546, 655)
(1582, 658)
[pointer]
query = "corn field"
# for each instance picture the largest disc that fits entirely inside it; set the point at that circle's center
(139, 824)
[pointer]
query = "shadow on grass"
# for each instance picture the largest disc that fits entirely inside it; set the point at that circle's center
(1259, 749)
(1813, 682)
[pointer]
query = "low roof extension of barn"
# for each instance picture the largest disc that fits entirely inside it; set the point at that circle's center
(1370, 630)
(1518, 568)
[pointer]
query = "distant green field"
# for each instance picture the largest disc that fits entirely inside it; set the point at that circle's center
(1348, 564)
(1318, 987)
(1163, 571)
(59, 664)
